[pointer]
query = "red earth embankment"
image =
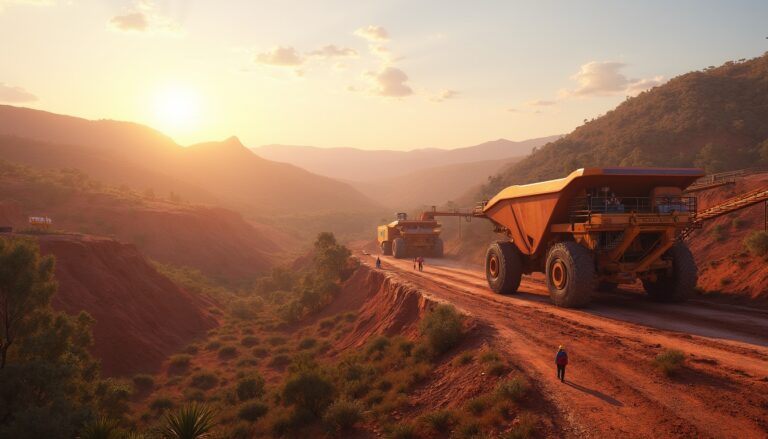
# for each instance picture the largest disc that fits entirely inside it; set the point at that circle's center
(725, 265)
(141, 316)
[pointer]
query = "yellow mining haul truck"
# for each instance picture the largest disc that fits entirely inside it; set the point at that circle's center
(404, 237)
(595, 229)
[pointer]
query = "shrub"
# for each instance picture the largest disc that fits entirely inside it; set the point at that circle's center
(144, 382)
(669, 362)
(249, 341)
(246, 309)
(403, 431)
(280, 361)
(497, 368)
(189, 422)
(343, 414)
(179, 363)
(113, 397)
(477, 406)
(442, 327)
(212, 346)
(513, 389)
(465, 358)
(227, 352)
(327, 323)
(250, 387)
(307, 343)
(252, 411)
(101, 428)
(204, 380)
(470, 430)
(161, 404)
(406, 347)
(739, 223)
(194, 395)
(524, 428)
(757, 243)
(378, 345)
(719, 232)
(439, 421)
(308, 390)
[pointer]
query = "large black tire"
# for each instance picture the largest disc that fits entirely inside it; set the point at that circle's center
(398, 248)
(570, 273)
(503, 267)
(437, 249)
(386, 248)
(678, 286)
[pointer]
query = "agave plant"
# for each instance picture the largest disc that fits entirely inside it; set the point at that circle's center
(101, 428)
(189, 422)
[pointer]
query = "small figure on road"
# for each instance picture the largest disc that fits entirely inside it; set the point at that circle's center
(421, 263)
(415, 262)
(561, 360)
(378, 262)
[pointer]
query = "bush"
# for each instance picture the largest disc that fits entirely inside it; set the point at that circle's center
(439, 421)
(524, 428)
(161, 404)
(307, 343)
(757, 243)
(250, 387)
(442, 327)
(252, 411)
(497, 368)
(465, 358)
(403, 431)
(144, 382)
(280, 361)
(343, 414)
(309, 390)
(179, 363)
(669, 362)
(378, 345)
(513, 389)
(204, 380)
(249, 341)
(246, 309)
(113, 397)
(327, 323)
(477, 406)
(227, 352)
(212, 346)
(719, 232)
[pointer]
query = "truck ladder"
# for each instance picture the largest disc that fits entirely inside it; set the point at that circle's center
(731, 205)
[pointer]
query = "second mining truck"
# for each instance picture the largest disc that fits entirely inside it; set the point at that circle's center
(595, 229)
(411, 237)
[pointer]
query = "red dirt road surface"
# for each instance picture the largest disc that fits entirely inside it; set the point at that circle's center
(611, 389)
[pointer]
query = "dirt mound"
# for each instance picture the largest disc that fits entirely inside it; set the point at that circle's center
(216, 241)
(724, 263)
(141, 316)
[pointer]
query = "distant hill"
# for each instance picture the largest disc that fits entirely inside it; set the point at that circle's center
(716, 118)
(432, 186)
(140, 157)
(353, 164)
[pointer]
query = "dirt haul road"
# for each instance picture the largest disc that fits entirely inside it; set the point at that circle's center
(612, 389)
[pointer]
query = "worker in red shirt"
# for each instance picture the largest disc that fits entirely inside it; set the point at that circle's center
(561, 360)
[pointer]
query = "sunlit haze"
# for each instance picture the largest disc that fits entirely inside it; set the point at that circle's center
(385, 74)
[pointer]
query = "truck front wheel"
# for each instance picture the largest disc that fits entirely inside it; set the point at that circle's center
(570, 273)
(503, 267)
(386, 248)
(398, 248)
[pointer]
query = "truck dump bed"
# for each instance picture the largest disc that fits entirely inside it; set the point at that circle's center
(528, 211)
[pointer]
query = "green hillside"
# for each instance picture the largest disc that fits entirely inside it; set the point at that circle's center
(716, 118)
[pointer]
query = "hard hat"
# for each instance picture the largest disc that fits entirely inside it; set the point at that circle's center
(561, 347)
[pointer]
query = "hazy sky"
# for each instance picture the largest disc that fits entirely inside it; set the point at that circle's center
(368, 74)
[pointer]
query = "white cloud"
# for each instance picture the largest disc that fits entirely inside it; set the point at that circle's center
(373, 33)
(391, 82)
(285, 56)
(134, 21)
(606, 79)
(540, 103)
(15, 95)
(332, 51)
(444, 95)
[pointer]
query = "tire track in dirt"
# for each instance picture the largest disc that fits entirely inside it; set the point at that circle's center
(615, 393)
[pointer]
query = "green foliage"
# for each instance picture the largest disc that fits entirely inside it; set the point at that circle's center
(47, 375)
(330, 257)
(757, 243)
(465, 358)
(513, 389)
(309, 390)
(439, 421)
(249, 341)
(378, 345)
(179, 363)
(204, 380)
(719, 232)
(161, 404)
(669, 362)
(113, 396)
(143, 382)
(227, 352)
(307, 343)
(343, 414)
(403, 431)
(100, 428)
(279, 361)
(524, 428)
(252, 411)
(442, 327)
(189, 422)
(250, 387)
(477, 406)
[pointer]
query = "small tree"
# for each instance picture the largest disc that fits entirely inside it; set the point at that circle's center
(442, 327)
(309, 390)
(330, 256)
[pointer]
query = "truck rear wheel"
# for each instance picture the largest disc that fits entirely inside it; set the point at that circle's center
(398, 248)
(386, 248)
(679, 285)
(503, 267)
(437, 249)
(570, 273)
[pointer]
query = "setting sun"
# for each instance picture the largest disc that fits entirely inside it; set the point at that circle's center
(177, 108)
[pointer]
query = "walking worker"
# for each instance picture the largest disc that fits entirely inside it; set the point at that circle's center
(421, 263)
(415, 261)
(561, 360)
(378, 262)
